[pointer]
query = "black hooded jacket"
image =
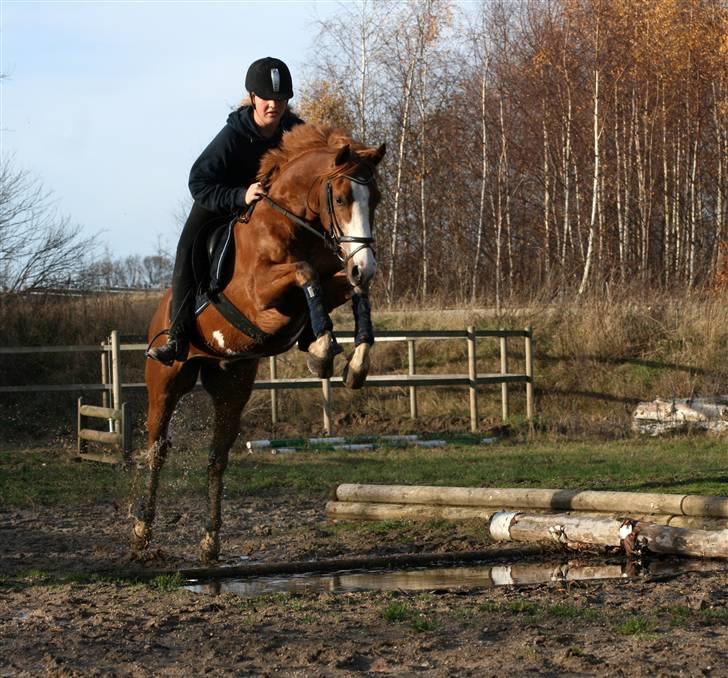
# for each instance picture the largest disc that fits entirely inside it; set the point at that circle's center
(221, 175)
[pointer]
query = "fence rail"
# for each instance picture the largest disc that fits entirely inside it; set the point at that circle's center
(112, 386)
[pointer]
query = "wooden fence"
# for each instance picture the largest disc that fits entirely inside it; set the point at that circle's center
(112, 387)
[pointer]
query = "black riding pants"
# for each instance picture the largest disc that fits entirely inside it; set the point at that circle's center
(190, 264)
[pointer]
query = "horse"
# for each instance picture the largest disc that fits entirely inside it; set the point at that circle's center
(305, 249)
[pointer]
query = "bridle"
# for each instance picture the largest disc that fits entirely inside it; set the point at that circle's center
(334, 236)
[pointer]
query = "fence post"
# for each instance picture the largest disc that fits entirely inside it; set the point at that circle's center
(273, 392)
(473, 378)
(504, 370)
(81, 444)
(104, 374)
(412, 370)
(105, 348)
(529, 373)
(116, 375)
(326, 388)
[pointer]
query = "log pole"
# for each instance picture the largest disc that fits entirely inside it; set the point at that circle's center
(343, 510)
(353, 511)
(544, 499)
(637, 536)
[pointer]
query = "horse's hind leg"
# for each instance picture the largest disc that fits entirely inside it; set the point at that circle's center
(230, 386)
(165, 386)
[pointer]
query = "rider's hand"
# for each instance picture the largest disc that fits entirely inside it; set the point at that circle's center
(255, 192)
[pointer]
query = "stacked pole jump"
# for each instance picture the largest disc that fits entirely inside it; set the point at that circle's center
(638, 522)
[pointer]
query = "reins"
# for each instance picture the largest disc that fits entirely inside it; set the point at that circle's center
(335, 236)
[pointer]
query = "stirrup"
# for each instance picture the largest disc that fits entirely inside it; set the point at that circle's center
(174, 349)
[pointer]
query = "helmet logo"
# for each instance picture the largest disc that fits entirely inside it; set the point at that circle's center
(275, 78)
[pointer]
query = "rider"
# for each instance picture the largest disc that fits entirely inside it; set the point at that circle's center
(223, 184)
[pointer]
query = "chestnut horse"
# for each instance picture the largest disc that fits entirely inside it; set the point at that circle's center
(304, 249)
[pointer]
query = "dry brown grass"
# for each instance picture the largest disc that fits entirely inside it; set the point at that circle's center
(594, 360)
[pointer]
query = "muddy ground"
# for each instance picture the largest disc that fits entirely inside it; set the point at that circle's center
(53, 625)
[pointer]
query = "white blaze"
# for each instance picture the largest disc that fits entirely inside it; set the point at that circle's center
(219, 338)
(359, 227)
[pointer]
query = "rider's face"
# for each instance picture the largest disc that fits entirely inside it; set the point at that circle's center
(268, 112)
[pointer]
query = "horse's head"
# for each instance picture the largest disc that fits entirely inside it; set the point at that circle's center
(322, 176)
(350, 196)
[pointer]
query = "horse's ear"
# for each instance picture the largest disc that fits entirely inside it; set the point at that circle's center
(374, 155)
(379, 154)
(343, 156)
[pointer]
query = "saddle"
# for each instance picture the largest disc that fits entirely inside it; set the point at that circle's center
(213, 264)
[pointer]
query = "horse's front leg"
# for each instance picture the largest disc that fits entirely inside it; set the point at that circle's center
(357, 367)
(270, 286)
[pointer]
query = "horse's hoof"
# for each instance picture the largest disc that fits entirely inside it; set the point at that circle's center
(141, 535)
(321, 354)
(210, 547)
(322, 368)
(357, 368)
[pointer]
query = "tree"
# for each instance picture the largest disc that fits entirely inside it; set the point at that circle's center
(38, 247)
(323, 104)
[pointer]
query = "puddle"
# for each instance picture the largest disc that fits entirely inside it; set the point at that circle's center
(453, 577)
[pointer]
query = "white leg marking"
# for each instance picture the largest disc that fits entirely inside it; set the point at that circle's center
(360, 358)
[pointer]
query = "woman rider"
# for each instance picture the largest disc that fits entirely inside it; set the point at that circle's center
(223, 184)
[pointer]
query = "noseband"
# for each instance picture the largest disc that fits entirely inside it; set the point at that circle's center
(334, 236)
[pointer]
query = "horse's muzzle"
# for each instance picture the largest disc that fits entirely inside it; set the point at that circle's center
(361, 267)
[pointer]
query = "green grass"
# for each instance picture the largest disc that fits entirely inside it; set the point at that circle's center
(403, 613)
(688, 464)
(637, 626)
(35, 577)
(167, 582)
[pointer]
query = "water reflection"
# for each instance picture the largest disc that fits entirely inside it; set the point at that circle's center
(482, 576)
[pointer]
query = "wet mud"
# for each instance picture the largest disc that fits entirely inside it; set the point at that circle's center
(62, 613)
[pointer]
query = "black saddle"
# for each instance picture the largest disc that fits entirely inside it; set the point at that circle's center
(215, 258)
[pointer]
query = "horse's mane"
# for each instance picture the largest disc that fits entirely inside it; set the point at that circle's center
(303, 138)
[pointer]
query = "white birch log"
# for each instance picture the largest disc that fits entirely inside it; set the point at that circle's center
(548, 499)
(632, 535)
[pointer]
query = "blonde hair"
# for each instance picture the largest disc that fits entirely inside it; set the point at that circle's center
(248, 101)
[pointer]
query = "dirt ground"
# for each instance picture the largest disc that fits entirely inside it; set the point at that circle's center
(636, 626)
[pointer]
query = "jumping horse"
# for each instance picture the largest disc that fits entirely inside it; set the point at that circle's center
(304, 249)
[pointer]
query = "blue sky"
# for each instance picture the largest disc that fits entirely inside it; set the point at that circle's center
(109, 103)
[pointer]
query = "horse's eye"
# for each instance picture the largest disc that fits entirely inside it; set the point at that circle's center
(339, 200)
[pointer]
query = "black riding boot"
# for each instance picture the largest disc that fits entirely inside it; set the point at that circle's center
(198, 224)
(178, 342)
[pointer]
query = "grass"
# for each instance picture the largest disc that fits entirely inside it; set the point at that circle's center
(167, 582)
(595, 359)
(685, 465)
(397, 612)
(637, 626)
(35, 577)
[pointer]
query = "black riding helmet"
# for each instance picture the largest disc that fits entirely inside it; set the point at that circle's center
(269, 78)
